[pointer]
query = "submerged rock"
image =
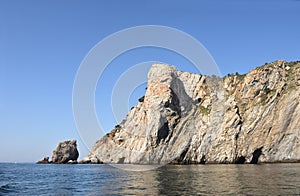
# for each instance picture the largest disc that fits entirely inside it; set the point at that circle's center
(186, 118)
(65, 152)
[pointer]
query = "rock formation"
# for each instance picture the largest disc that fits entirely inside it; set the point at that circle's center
(45, 160)
(65, 152)
(90, 160)
(186, 118)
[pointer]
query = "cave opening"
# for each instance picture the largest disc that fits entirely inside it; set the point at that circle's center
(121, 160)
(240, 160)
(255, 155)
(203, 159)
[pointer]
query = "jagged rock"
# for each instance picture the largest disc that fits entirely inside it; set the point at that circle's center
(65, 152)
(187, 118)
(45, 160)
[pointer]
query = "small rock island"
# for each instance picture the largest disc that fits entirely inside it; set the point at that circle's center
(65, 153)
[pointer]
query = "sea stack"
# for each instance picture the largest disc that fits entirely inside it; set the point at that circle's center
(187, 118)
(65, 152)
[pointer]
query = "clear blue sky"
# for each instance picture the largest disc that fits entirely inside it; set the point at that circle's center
(42, 44)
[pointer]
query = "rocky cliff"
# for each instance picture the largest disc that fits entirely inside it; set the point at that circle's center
(187, 118)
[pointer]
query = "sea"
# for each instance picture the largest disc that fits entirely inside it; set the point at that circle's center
(52, 179)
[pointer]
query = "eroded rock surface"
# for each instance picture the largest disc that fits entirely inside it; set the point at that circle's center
(187, 118)
(65, 152)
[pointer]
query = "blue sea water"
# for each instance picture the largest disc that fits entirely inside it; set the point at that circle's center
(265, 179)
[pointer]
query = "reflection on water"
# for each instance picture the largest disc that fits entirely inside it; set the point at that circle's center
(32, 179)
(276, 179)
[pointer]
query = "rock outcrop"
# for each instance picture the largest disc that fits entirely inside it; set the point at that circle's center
(65, 152)
(90, 160)
(186, 118)
(45, 160)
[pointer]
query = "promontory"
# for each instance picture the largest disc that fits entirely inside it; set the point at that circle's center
(187, 118)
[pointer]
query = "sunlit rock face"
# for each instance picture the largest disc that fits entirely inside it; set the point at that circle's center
(186, 118)
(65, 152)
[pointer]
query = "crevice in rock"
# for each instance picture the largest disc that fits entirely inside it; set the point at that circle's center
(269, 130)
(239, 115)
(236, 136)
(255, 155)
(174, 103)
(163, 132)
(240, 160)
(182, 155)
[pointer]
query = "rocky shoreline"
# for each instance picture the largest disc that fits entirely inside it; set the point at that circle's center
(187, 118)
(65, 153)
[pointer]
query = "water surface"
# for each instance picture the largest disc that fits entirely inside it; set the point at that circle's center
(33, 179)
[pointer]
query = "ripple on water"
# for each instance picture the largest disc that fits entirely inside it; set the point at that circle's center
(31, 179)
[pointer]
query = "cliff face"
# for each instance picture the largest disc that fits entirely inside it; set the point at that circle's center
(189, 118)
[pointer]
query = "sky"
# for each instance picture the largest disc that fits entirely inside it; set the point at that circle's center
(43, 43)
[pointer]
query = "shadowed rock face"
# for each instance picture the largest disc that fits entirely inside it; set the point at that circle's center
(188, 118)
(65, 152)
